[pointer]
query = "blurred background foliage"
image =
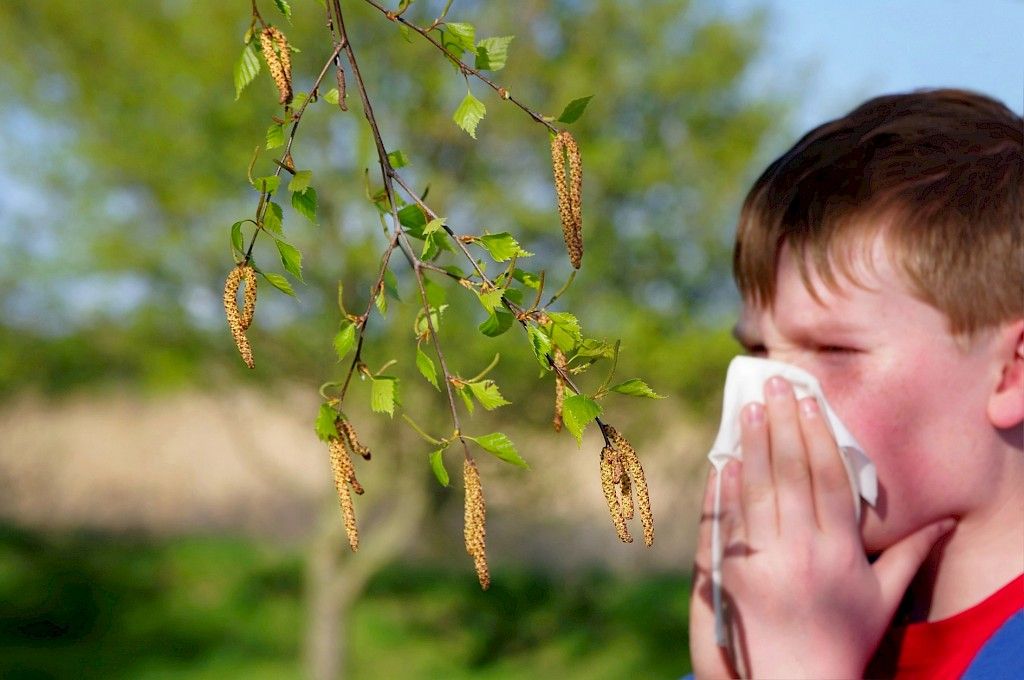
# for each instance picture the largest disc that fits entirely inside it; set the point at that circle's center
(124, 161)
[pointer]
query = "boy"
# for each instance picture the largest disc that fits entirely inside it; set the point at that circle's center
(883, 254)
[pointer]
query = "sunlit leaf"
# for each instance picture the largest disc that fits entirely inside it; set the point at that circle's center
(284, 8)
(565, 330)
(490, 300)
(273, 217)
(275, 136)
(384, 394)
(291, 258)
(246, 69)
(541, 345)
(469, 114)
(267, 184)
(300, 180)
(398, 159)
(502, 246)
(501, 446)
(345, 340)
(492, 53)
(636, 388)
(332, 96)
(577, 412)
(487, 393)
(325, 422)
(426, 367)
(279, 282)
(461, 34)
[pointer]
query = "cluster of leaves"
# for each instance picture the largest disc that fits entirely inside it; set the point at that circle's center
(431, 246)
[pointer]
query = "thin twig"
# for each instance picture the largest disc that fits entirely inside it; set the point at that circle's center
(464, 67)
(387, 173)
(297, 118)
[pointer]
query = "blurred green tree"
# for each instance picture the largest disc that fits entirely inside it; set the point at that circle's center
(128, 153)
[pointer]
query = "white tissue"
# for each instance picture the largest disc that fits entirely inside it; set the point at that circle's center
(744, 383)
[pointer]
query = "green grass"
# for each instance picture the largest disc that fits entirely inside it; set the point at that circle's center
(87, 606)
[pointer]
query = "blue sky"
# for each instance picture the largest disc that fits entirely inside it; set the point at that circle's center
(852, 50)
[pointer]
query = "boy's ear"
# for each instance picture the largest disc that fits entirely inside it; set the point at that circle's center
(1006, 403)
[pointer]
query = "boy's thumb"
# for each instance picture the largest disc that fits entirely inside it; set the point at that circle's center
(898, 564)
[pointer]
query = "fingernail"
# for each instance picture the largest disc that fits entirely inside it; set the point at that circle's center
(809, 406)
(753, 413)
(947, 526)
(777, 386)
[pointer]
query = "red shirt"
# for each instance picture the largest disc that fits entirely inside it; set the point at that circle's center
(942, 650)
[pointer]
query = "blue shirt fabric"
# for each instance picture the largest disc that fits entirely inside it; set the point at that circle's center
(1002, 656)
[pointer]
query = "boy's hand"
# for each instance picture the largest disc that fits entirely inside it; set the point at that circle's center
(803, 599)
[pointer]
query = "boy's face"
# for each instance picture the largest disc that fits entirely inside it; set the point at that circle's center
(913, 398)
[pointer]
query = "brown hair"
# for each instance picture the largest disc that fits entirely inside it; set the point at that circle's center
(938, 173)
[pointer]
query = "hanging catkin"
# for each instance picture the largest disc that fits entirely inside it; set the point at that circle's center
(344, 474)
(238, 323)
(279, 61)
(575, 246)
(569, 193)
(636, 471)
(608, 460)
(475, 530)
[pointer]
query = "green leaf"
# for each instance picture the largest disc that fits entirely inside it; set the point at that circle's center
(300, 180)
(541, 345)
(345, 339)
(291, 258)
(384, 394)
(565, 330)
(398, 159)
(435, 242)
(467, 397)
(382, 303)
(501, 446)
(461, 34)
(433, 225)
(246, 69)
(283, 8)
(492, 53)
(304, 203)
(426, 367)
(236, 238)
(272, 218)
(275, 136)
(591, 348)
(413, 219)
(267, 184)
(332, 96)
(437, 465)
(391, 285)
(436, 294)
(636, 388)
(279, 282)
(577, 412)
(526, 278)
(497, 323)
(490, 300)
(574, 109)
(469, 114)
(487, 393)
(325, 419)
(502, 246)
(420, 327)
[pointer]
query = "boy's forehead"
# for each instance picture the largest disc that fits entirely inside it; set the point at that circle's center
(854, 299)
